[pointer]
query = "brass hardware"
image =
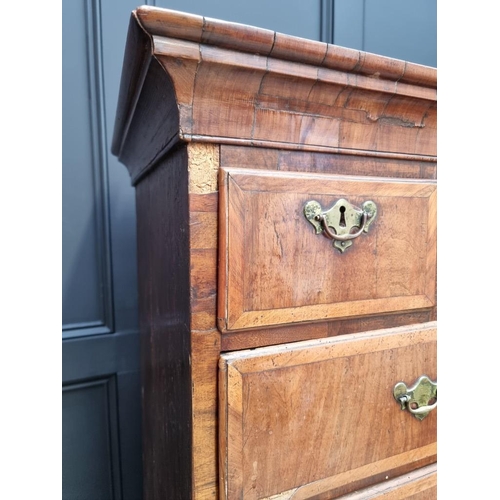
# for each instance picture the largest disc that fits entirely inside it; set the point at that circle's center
(342, 218)
(419, 399)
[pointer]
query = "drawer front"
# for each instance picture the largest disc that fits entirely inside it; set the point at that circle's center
(302, 419)
(274, 268)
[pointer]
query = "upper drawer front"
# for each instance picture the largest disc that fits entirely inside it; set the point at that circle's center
(300, 420)
(275, 269)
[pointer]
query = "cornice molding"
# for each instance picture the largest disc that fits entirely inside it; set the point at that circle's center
(232, 82)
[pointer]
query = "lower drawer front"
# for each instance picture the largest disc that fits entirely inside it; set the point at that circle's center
(299, 420)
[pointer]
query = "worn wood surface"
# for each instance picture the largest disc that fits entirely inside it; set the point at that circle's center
(254, 40)
(356, 163)
(313, 416)
(205, 350)
(234, 84)
(248, 339)
(202, 167)
(236, 96)
(418, 485)
(277, 270)
(203, 228)
(162, 215)
(153, 110)
(363, 484)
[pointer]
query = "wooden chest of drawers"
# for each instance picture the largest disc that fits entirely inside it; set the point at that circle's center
(286, 206)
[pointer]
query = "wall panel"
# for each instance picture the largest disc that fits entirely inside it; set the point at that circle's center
(87, 289)
(403, 30)
(90, 441)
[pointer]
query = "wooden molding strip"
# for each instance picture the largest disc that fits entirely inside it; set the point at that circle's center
(228, 94)
(327, 484)
(243, 38)
(405, 486)
(307, 148)
(235, 84)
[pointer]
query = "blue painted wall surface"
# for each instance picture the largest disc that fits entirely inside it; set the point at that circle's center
(394, 28)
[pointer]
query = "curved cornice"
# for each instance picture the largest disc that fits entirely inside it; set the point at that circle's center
(267, 43)
(232, 83)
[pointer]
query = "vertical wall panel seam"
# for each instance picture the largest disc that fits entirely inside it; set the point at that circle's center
(114, 437)
(102, 167)
(363, 26)
(326, 21)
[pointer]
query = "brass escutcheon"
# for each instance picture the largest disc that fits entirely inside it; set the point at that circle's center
(419, 399)
(338, 222)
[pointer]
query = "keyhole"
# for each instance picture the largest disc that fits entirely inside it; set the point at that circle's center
(342, 217)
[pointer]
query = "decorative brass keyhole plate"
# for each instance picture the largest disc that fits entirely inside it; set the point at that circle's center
(338, 222)
(419, 399)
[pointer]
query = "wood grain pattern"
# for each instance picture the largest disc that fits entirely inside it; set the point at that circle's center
(272, 336)
(203, 230)
(311, 416)
(170, 23)
(205, 350)
(202, 167)
(236, 36)
(162, 214)
(296, 275)
(363, 483)
(230, 82)
(173, 24)
(328, 488)
(144, 108)
(204, 202)
(327, 163)
(137, 57)
(418, 485)
(250, 339)
(203, 279)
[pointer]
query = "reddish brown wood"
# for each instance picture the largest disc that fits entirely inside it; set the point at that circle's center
(205, 350)
(328, 163)
(297, 49)
(250, 157)
(203, 202)
(277, 270)
(406, 471)
(304, 331)
(203, 230)
(237, 37)
(232, 82)
(169, 23)
(417, 485)
(271, 336)
(203, 280)
(304, 418)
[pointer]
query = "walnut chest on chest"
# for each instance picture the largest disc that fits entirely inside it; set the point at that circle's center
(286, 210)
